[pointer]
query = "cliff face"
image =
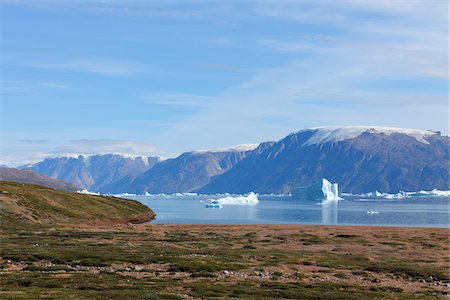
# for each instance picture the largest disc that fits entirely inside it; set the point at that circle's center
(360, 159)
(370, 161)
(97, 173)
(187, 172)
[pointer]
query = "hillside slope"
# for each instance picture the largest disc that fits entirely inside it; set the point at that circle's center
(28, 203)
(28, 176)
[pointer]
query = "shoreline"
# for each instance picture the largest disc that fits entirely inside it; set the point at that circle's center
(298, 225)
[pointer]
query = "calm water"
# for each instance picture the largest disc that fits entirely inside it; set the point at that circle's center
(411, 212)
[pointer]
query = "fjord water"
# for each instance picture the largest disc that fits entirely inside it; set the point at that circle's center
(410, 212)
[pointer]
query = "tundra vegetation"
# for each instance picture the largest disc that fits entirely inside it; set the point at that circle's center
(51, 250)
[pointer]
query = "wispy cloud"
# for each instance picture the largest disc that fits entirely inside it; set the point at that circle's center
(128, 8)
(54, 85)
(334, 80)
(102, 146)
(101, 66)
(182, 100)
(227, 68)
(33, 141)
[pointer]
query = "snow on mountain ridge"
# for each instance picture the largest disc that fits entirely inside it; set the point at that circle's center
(335, 133)
(238, 148)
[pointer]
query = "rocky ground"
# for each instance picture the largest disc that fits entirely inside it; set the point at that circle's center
(204, 262)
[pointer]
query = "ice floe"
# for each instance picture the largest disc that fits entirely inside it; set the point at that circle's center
(87, 192)
(402, 194)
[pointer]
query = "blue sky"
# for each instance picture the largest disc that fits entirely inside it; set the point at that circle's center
(165, 77)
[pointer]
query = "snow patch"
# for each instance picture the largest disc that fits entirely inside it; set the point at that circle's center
(238, 148)
(331, 134)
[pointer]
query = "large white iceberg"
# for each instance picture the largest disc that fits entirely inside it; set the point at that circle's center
(250, 199)
(321, 191)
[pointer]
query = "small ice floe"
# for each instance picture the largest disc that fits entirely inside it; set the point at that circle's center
(124, 195)
(87, 192)
(250, 199)
(372, 212)
(213, 204)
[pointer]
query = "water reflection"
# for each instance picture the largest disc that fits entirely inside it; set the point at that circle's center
(329, 212)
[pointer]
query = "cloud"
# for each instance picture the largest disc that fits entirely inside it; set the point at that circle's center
(151, 9)
(341, 79)
(227, 68)
(181, 100)
(33, 141)
(102, 67)
(103, 146)
(54, 85)
(14, 154)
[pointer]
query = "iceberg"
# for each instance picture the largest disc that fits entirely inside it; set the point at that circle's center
(432, 193)
(124, 195)
(250, 199)
(402, 194)
(88, 193)
(375, 194)
(321, 191)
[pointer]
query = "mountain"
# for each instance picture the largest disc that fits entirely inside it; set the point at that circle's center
(360, 159)
(97, 173)
(188, 171)
(29, 203)
(28, 176)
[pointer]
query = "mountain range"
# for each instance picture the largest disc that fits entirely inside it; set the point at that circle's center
(99, 173)
(359, 158)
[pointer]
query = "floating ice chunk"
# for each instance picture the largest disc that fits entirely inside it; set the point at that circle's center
(87, 192)
(432, 193)
(213, 204)
(372, 212)
(402, 194)
(250, 199)
(375, 194)
(323, 190)
(399, 195)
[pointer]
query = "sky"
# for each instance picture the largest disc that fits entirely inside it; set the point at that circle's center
(165, 77)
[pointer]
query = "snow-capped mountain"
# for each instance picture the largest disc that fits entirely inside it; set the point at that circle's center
(188, 171)
(96, 173)
(359, 158)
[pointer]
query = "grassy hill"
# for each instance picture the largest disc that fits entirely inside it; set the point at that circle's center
(34, 204)
(28, 176)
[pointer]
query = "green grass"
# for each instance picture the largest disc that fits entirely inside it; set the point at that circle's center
(66, 261)
(28, 203)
